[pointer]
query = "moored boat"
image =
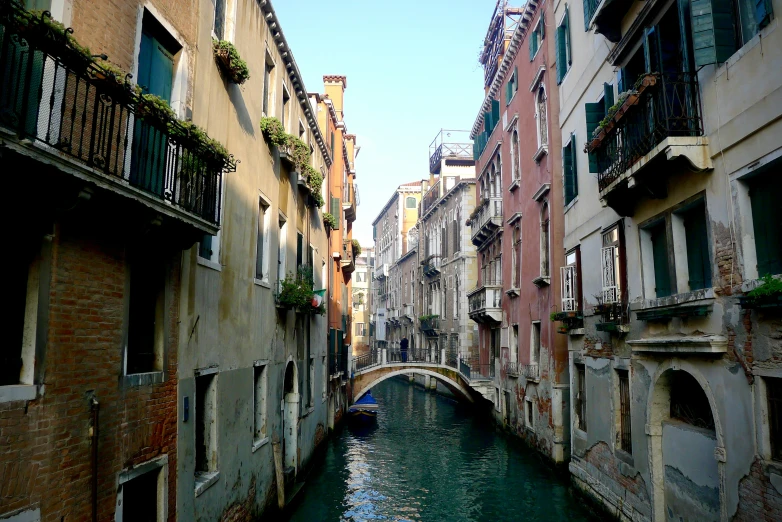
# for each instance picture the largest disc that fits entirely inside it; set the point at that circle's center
(364, 409)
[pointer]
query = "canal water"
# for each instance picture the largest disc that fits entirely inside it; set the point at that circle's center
(432, 459)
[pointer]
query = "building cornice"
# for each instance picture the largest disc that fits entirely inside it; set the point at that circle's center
(506, 65)
(275, 28)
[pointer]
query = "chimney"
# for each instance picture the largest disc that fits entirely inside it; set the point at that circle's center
(335, 90)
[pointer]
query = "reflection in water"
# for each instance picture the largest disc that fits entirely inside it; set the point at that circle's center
(431, 459)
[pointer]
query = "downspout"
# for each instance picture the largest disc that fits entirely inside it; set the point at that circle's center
(94, 410)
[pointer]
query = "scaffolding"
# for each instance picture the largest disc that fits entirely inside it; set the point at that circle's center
(504, 21)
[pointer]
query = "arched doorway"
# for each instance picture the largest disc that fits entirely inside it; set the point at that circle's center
(685, 444)
(290, 416)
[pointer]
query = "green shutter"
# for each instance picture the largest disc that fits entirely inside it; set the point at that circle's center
(651, 55)
(574, 163)
(587, 13)
(608, 96)
(621, 84)
(594, 113)
(762, 13)
(713, 37)
(698, 264)
(532, 46)
(559, 44)
(567, 168)
(767, 223)
(205, 246)
(662, 278)
(495, 113)
(336, 211)
(542, 26)
(567, 38)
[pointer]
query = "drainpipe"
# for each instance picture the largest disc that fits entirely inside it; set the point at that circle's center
(94, 410)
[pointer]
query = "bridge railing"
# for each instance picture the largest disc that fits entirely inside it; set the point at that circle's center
(366, 360)
(464, 368)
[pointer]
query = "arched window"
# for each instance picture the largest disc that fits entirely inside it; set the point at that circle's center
(515, 155)
(411, 202)
(540, 116)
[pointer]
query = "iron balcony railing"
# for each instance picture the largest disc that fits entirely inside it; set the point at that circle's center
(511, 368)
(54, 96)
(671, 107)
(430, 324)
(486, 219)
(449, 144)
(408, 311)
(530, 371)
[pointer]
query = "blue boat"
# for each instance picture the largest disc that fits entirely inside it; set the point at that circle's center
(364, 409)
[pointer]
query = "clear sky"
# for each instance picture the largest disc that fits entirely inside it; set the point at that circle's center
(412, 69)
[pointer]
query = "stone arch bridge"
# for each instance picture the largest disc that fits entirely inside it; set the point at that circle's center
(375, 367)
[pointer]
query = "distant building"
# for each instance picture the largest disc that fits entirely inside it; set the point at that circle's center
(361, 301)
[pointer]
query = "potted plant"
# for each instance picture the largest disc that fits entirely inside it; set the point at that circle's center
(330, 221)
(227, 57)
(356, 247)
(313, 180)
(273, 131)
(295, 291)
(767, 294)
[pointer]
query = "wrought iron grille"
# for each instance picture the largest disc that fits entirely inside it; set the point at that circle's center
(366, 360)
(669, 108)
(568, 282)
(52, 95)
(625, 439)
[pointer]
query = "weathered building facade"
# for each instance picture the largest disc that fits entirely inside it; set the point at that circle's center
(360, 311)
(517, 227)
(669, 223)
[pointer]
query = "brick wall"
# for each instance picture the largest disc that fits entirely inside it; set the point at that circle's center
(759, 500)
(45, 447)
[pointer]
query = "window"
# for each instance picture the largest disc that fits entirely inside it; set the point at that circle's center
(17, 359)
(262, 243)
(205, 426)
(146, 313)
(534, 343)
(766, 221)
(581, 398)
(325, 377)
(723, 26)
(774, 396)
(540, 117)
(281, 250)
(590, 6)
(267, 94)
(299, 251)
(696, 238)
(512, 86)
(219, 19)
(662, 276)
(285, 107)
(516, 259)
(515, 155)
(311, 384)
(612, 265)
(688, 401)
(259, 403)
(624, 437)
(494, 349)
(529, 407)
(544, 241)
(536, 38)
(410, 202)
(595, 112)
(514, 343)
(144, 495)
(571, 280)
(361, 277)
(506, 396)
(360, 330)
(562, 44)
(569, 167)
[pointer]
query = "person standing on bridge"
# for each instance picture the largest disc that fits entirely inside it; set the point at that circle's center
(403, 348)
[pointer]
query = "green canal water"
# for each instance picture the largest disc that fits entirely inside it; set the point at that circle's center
(432, 459)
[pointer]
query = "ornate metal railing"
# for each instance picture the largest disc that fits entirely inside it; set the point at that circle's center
(464, 368)
(52, 94)
(366, 360)
(669, 108)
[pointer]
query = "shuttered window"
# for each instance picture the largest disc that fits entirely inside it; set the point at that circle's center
(698, 257)
(562, 44)
(713, 36)
(569, 160)
(595, 112)
(205, 246)
(512, 86)
(536, 38)
(336, 211)
(767, 223)
(662, 274)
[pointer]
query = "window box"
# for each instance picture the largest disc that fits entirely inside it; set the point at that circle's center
(230, 62)
(669, 312)
(765, 302)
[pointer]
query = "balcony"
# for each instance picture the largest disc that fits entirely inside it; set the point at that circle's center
(453, 146)
(431, 197)
(392, 316)
(485, 304)
(349, 202)
(62, 109)
(511, 369)
(347, 261)
(486, 219)
(382, 271)
(531, 372)
(658, 122)
(408, 312)
(431, 265)
(430, 324)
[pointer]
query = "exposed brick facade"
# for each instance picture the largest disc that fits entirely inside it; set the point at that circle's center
(46, 457)
(759, 499)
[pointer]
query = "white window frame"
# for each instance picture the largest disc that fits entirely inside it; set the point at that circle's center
(266, 250)
(157, 465)
(260, 413)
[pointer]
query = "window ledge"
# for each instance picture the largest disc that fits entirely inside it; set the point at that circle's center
(576, 331)
(262, 282)
(542, 281)
(513, 291)
(204, 481)
(514, 185)
(208, 263)
(571, 204)
(260, 443)
(751, 284)
(18, 392)
(144, 379)
(542, 151)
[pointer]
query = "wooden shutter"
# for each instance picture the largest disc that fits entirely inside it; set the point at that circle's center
(662, 276)
(567, 169)
(698, 264)
(532, 46)
(713, 37)
(205, 246)
(336, 211)
(651, 56)
(594, 113)
(542, 26)
(508, 93)
(762, 13)
(587, 13)
(608, 96)
(767, 223)
(567, 38)
(559, 44)
(621, 83)
(299, 250)
(495, 112)
(574, 164)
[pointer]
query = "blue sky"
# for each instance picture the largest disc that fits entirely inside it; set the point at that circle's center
(412, 69)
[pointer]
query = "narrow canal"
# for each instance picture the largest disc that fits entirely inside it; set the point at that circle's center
(431, 459)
